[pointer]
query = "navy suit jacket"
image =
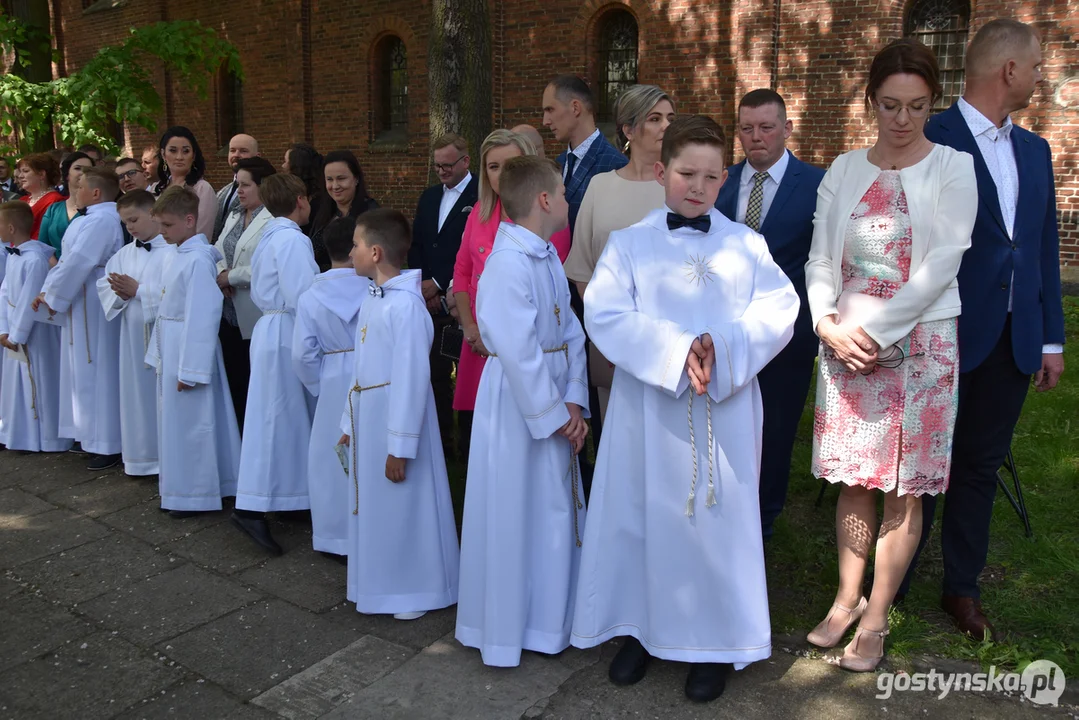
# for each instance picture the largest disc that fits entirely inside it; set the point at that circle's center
(788, 230)
(1032, 253)
(434, 251)
(601, 157)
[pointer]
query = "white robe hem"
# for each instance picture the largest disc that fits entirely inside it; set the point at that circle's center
(336, 546)
(272, 503)
(201, 503)
(141, 469)
(740, 657)
(409, 602)
(508, 655)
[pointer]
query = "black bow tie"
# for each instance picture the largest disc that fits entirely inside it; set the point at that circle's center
(144, 245)
(13, 250)
(81, 211)
(675, 221)
(376, 291)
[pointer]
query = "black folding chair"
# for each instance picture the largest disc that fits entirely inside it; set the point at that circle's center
(1016, 498)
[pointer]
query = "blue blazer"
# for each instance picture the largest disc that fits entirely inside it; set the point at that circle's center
(601, 157)
(788, 230)
(1032, 254)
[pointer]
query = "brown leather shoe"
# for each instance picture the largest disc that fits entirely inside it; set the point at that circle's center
(968, 616)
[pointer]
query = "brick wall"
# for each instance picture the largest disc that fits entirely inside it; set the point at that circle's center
(706, 54)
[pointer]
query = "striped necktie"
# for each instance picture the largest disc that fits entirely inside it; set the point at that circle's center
(756, 201)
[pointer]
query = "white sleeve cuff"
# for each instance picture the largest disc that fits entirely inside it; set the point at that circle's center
(1053, 349)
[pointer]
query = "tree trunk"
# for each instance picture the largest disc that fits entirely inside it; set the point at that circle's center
(459, 71)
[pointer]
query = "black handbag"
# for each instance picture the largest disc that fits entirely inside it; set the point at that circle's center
(450, 342)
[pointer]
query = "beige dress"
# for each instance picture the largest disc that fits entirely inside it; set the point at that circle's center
(610, 203)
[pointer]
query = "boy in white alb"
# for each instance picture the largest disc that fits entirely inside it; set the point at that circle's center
(131, 290)
(30, 395)
(524, 516)
(89, 344)
(198, 440)
(689, 306)
(402, 551)
(277, 422)
(323, 346)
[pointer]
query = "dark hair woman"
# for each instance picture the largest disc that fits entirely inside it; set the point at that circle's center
(347, 195)
(37, 175)
(182, 163)
(60, 214)
(305, 162)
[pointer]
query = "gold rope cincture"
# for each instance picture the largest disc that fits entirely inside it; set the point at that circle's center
(710, 500)
(33, 385)
(352, 441)
(337, 352)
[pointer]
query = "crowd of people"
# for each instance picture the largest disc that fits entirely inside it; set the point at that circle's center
(286, 342)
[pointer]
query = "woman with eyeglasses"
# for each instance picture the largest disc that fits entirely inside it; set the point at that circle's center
(891, 225)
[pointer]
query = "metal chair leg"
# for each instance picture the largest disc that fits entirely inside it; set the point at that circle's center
(1017, 501)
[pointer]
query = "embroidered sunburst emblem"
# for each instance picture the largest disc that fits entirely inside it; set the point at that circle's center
(699, 270)
(363, 334)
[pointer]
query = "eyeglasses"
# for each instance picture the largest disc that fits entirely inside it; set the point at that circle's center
(443, 167)
(893, 111)
(129, 174)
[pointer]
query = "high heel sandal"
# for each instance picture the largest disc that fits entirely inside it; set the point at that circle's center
(850, 660)
(820, 636)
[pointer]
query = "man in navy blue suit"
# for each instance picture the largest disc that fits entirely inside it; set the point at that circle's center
(1012, 326)
(569, 111)
(775, 194)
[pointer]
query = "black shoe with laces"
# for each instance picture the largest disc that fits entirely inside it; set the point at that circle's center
(630, 664)
(706, 681)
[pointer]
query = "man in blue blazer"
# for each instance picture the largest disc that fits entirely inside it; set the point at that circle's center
(569, 111)
(775, 194)
(1012, 325)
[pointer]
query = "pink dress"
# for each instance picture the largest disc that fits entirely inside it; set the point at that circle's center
(890, 429)
(476, 245)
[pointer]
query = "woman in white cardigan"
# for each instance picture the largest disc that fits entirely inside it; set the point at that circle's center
(891, 225)
(239, 237)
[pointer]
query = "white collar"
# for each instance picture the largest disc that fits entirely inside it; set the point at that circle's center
(581, 150)
(459, 187)
(776, 172)
(979, 124)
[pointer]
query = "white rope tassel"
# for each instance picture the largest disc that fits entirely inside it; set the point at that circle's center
(711, 499)
(693, 452)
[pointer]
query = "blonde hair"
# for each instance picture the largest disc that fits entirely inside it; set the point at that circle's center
(444, 141)
(177, 200)
(497, 139)
(524, 178)
(633, 107)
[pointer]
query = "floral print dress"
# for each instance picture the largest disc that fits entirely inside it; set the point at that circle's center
(890, 429)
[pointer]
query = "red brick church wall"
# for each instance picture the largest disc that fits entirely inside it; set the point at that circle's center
(706, 54)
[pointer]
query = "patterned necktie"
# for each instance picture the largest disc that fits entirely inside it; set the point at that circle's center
(571, 163)
(756, 201)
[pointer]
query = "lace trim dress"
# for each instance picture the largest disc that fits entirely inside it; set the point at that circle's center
(890, 429)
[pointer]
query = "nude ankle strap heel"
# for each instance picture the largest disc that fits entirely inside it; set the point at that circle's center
(820, 636)
(858, 663)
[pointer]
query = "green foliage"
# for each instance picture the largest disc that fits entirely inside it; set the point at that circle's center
(116, 85)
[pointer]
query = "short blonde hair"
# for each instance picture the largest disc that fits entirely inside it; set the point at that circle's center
(177, 200)
(444, 141)
(633, 107)
(997, 42)
(523, 179)
(497, 139)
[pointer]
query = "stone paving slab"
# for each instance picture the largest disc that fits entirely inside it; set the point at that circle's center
(31, 626)
(416, 634)
(105, 494)
(249, 651)
(46, 534)
(146, 522)
(206, 546)
(311, 581)
(168, 604)
(195, 700)
(327, 684)
(16, 505)
(41, 472)
(447, 681)
(94, 678)
(85, 572)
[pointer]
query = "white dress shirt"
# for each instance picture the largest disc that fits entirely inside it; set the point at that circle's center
(580, 151)
(995, 145)
(450, 196)
(771, 185)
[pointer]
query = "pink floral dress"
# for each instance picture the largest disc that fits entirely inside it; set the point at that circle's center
(890, 429)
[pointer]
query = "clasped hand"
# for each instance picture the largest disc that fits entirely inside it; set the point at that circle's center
(223, 282)
(472, 337)
(699, 362)
(576, 429)
(124, 286)
(850, 344)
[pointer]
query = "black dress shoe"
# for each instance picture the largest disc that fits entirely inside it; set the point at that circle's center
(706, 681)
(259, 531)
(77, 449)
(184, 513)
(342, 559)
(103, 462)
(630, 664)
